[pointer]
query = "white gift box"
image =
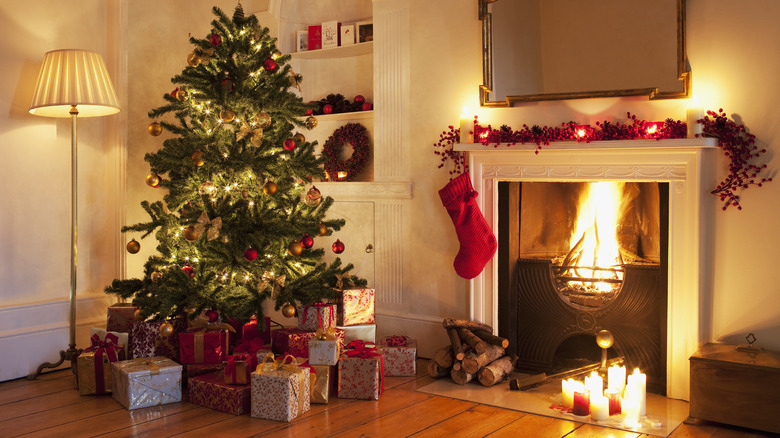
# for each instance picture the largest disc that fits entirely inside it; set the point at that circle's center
(364, 332)
(144, 382)
(323, 351)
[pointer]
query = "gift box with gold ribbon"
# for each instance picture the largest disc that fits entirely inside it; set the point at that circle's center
(356, 306)
(145, 382)
(361, 372)
(156, 338)
(317, 316)
(400, 356)
(94, 364)
(123, 339)
(197, 346)
(211, 391)
(296, 341)
(281, 389)
(191, 370)
(238, 368)
(324, 347)
(322, 383)
(120, 316)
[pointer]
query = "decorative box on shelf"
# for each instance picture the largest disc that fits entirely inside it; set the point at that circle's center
(735, 386)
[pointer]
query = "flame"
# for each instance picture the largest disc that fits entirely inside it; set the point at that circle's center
(597, 220)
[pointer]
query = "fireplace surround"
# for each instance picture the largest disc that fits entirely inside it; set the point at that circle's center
(688, 165)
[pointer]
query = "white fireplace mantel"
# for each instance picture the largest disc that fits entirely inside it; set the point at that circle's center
(686, 164)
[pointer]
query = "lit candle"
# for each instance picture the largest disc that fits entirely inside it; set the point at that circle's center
(466, 127)
(599, 407)
(630, 409)
(594, 384)
(581, 404)
(569, 386)
(616, 378)
(693, 114)
(637, 384)
(613, 395)
(654, 128)
(581, 130)
(341, 175)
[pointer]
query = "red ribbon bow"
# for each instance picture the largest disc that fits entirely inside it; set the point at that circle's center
(230, 368)
(397, 341)
(249, 346)
(366, 350)
(108, 346)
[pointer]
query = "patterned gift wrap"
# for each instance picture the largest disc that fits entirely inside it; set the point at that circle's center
(204, 346)
(296, 341)
(400, 356)
(261, 353)
(322, 386)
(281, 391)
(198, 369)
(356, 307)
(251, 330)
(324, 348)
(317, 316)
(361, 372)
(238, 368)
(363, 332)
(120, 317)
(146, 340)
(123, 339)
(211, 391)
(144, 382)
(94, 364)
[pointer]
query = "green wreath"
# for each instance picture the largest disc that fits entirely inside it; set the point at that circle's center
(354, 134)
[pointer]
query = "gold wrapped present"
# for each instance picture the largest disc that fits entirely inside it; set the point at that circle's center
(94, 364)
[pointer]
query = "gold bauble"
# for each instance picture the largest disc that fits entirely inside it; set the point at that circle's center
(181, 95)
(295, 249)
(245, 194)
(197, 158)
(155, 129)
(299, 138)
(269, 188)
(190, 233)
(193, 60)
(288, 311)
(313, 197)
(156, 276)
(153, 180)
(166, 329)
(276, 54)
(137, 315)
(263, 119)
(133, 246)
(207, 188)
(604, 339)
(311, 122)
(323, 230)
(227, 115)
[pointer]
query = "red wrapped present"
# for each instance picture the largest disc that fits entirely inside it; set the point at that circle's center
(203, 346)
(238, 368)
(361, 372)
(120, 317)
(317, 316)
(147, 341)
(356, 307)
(252, 330)
(198, 369)
(400, 356)
(94, 364)
(296, 341)
(280, 389)
(211, 391)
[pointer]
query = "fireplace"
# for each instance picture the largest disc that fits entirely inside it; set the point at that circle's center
(685, 166)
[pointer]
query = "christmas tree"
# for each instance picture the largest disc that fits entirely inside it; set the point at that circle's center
(239, 218)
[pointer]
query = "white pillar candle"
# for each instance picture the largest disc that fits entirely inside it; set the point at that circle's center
(693, 114)
(599, 407)
(569, 386)
(630, 407)
(616, 378)
(637, 383)
(594, 384)
(466, 127)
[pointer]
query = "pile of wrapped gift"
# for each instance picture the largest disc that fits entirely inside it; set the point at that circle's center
(245, 368)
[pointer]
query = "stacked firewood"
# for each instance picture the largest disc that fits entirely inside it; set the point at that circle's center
(474, 352)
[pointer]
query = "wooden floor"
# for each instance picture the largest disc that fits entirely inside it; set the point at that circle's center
(50, 406)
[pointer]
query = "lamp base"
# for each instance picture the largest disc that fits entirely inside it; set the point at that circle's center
(70, 355)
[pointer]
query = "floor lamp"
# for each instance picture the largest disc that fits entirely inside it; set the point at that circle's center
(72, 83)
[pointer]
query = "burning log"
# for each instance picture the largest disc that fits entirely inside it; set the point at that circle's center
(478, 345)
(473, 362)
(495, 371)
(490, 338)
(436, 371)
(471, 325)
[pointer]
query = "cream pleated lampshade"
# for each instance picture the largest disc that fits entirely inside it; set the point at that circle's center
(74, 77)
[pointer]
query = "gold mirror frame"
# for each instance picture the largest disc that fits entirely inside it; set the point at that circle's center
(653, 93)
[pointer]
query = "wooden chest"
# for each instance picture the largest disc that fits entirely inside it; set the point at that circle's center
(735, 387)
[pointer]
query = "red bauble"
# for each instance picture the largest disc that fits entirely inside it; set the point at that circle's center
(338, 246)
(309, 112)
(269, 64)
(213, 315)
(250, 254)
(187, 269)
(307, 241)
(289, 144)
(368, 106)
(359, 98)
(327, 109)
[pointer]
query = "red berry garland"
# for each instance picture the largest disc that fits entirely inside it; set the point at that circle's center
(354, 134)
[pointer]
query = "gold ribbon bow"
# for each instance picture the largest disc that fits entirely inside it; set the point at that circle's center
(215, 226)
(255, 135)
(341, 279)
(201, 324)
(294, 81)
(275, 284)
(270, 365)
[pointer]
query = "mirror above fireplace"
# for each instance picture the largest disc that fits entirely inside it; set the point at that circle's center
(535, 50)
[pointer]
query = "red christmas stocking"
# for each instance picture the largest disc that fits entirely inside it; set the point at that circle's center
(477, 241)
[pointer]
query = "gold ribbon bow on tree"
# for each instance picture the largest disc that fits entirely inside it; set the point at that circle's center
(214, 226)
(294, 80)
(201, 324)
(343, 280)
(275, 284)
(255, 135)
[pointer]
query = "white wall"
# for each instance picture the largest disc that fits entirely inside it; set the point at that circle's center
(35, 169)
